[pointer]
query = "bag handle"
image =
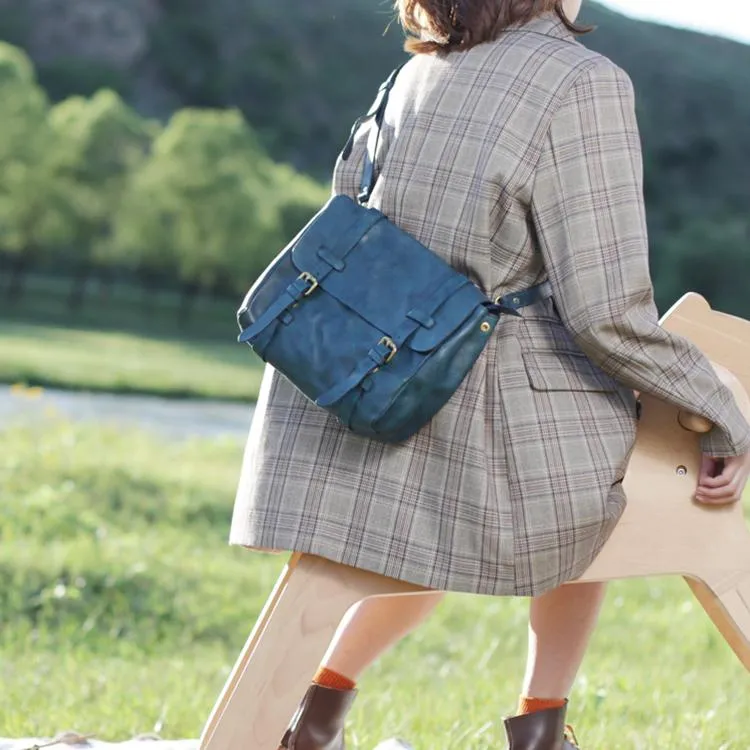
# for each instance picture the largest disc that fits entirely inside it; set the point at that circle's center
(377, 114)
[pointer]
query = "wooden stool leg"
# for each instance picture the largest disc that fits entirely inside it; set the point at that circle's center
(727, 603)
(239, 667)
(285, 648)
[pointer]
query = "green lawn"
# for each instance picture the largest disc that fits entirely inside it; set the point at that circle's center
(129, 342)
(122, 610)
(124, 362)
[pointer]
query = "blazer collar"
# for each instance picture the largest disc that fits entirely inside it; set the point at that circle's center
(549, 24)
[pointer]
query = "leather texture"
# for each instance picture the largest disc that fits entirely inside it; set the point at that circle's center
(542, 730)
(319, 722)
(321, 311)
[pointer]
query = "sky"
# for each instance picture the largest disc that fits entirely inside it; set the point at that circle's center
(730, 18)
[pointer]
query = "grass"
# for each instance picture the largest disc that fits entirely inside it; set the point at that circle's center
(121, 362)
(128, 342)
(122, 610)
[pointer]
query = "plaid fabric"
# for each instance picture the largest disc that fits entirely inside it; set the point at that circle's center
(515, 161)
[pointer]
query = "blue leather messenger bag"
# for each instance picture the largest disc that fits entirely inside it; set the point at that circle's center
(364, 320)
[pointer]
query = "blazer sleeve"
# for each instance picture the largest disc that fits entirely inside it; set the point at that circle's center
(588, 213)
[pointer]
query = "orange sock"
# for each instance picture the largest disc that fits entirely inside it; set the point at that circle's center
(328, 678)
(528, 705)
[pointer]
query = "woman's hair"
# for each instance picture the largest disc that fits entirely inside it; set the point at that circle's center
(448, 25)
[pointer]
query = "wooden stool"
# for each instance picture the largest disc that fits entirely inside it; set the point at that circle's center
(662, 532)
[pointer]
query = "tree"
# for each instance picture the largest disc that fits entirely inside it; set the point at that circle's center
(298, 197)
(30, 197)
(102, 141)
(709, 256)
(202, 208)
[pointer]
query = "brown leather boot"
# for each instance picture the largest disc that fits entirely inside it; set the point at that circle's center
(319, 721)
(542, 730)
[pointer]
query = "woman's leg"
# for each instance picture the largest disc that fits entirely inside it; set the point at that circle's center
(561, 623)
(372, 627)
(366, 632)
(560, 626)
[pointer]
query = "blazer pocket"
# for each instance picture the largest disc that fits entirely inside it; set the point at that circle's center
(556, 370)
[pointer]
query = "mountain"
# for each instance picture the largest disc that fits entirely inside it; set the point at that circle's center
(302, 71)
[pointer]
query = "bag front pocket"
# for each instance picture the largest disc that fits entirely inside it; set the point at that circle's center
(557, 370)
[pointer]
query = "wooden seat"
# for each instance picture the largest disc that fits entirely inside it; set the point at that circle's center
(663, 532)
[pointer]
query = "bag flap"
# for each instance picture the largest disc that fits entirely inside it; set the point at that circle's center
(448, 317)
(388, 275)
(334, 230)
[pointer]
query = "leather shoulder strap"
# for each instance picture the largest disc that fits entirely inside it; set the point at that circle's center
(377, 115)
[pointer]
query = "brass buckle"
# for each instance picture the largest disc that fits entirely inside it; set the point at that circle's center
(385, 341)
(311, 280)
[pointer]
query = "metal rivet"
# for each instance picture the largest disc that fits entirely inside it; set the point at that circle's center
(682, 471)
(516, 300)
(485, 327)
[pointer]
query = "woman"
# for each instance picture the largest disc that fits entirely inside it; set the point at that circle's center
(512, 151)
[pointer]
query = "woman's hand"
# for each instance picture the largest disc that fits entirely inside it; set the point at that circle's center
(722, 480)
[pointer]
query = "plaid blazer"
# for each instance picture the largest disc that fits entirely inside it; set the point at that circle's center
(516, 161)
